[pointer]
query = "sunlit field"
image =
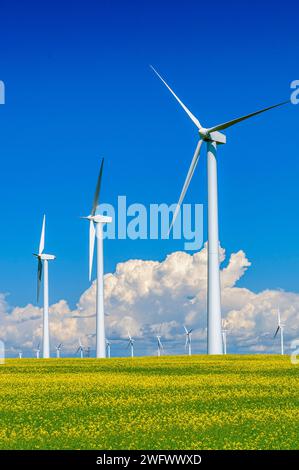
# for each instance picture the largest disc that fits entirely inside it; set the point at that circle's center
(232, 402)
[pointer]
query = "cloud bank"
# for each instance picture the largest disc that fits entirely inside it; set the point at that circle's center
(147, 297)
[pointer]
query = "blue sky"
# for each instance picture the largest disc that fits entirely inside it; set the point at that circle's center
(78, 87)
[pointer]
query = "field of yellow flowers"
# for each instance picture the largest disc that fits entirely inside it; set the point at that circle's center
(229, 402)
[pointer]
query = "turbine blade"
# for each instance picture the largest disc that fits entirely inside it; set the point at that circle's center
(191, 116)
(42, 237)
(92, 233)
(225, 125)
(97, 191)
(186, 331)
(187, 182)
(278, 328)
(39, 276)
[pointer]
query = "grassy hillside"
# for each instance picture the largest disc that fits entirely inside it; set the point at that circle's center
(232, 402)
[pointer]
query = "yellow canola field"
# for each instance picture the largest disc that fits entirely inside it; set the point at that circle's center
(228, 402)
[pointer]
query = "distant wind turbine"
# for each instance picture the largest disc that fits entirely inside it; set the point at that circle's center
(212, 137)
(20, 354)
(224, 336)
(37, 351)
(42, 261)
(58, 349)
(280, 327)
(188, 334)
(131, 344)
(96, 222)
(108, 347)
(160, 345)
(80, 349)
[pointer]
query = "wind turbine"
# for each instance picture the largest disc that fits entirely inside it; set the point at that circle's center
(37, 351)
(188, 339)
(42, 261)
(58, 349)
(212, 137)
(131, 344)
(280, 326)
(160, 345)
(96, 222)
(108, 347)
(224, 335)
(80, 349)
(20, 354)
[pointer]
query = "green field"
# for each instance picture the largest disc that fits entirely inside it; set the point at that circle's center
(230, 402)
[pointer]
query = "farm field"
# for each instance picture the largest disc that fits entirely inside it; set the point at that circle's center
(199, 402)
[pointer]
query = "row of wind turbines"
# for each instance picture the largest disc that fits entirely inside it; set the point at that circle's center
(85, 351)
(212, 137)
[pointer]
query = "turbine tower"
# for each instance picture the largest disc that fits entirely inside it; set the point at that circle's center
(188, 339)
(20, 354)
(131, 344)
(96, 222)
(42, 265)
(212, 137)
(280, 327)
(160, 345)
(58, 349)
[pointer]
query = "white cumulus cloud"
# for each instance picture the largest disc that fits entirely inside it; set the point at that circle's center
(146, 297)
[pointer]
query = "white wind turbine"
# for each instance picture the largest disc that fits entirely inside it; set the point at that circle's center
(20, 353)
(108, 348)
(80, 349)
(96, 222)
(131, 344)
(160, 346)
(37, 351)
(212, 137)
(188, 334)
(58, 349)
(42, 262)
(280, 327)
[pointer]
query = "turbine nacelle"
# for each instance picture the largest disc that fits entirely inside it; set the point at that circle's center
(44, 256)
(213, 136)
(99, 219)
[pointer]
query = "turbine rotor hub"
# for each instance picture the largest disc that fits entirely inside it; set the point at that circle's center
(204, 134)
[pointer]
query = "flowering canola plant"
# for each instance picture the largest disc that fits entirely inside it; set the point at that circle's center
(198, 402)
